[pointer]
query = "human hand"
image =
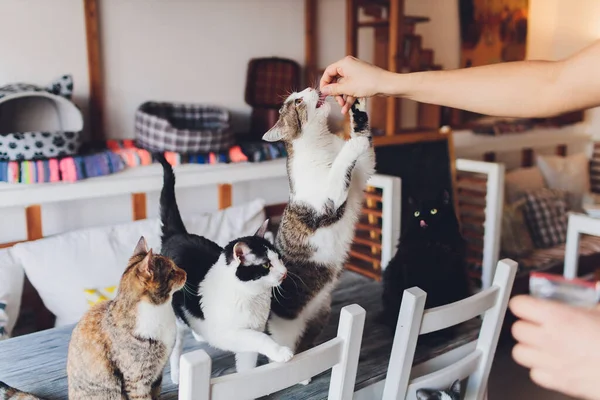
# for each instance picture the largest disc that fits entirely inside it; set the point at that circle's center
(560, 344)
(352, 78)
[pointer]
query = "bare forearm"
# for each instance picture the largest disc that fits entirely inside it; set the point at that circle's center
(518, 89)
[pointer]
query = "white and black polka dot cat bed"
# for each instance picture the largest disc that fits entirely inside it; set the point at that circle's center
(39, 122)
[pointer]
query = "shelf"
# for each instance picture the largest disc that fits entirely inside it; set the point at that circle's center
(409, 20)
(138, 180)
(469, 144)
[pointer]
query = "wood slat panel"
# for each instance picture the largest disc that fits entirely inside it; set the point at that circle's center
(368, 227)
(527, 158)
(310, 41)
(464, 192)
(365, 257)
(373, 196)
(33, 217)
(95, 73)
(371, 212)
(225, 196)
(138, 205)
(367, 242)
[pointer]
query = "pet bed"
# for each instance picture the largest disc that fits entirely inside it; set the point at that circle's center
(39, 123)
(183, 128)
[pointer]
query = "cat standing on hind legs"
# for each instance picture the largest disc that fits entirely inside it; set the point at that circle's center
(327, 178)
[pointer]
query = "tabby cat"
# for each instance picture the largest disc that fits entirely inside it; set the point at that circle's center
(431, 255)
(327, 178)
(227, 298)
(119, 349)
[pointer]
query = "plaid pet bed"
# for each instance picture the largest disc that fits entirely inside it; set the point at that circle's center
(270, 80)
(183, 128)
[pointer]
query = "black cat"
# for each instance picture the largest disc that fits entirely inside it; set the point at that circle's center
(431, 255)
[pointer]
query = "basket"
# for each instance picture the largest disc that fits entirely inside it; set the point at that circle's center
(38, 123)
(183, 128)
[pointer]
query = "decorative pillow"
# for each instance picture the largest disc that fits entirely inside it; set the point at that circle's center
(520, 181)
(571, 174)
(546, 217)
(515, 238)
(61, 267)
(12, 277)
(95, 296)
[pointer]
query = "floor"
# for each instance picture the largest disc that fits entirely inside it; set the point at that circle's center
(510, 381)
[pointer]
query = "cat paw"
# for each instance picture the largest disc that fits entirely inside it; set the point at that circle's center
(305, 382)
(175, 376)
(283, 354)
(359, 145)
(360, 105)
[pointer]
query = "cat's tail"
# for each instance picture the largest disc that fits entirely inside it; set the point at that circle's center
(170, 217)
(9, 393)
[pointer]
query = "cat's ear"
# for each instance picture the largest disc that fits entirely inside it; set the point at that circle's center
(145, 266)
(262, 230)
(240, 251)
(446, 197)
(456, 387)
(276, 133)
(411, 201)
(425, 394)
(141, 249)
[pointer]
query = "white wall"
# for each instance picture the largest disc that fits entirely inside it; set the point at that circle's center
(190, 51)
(197, 50)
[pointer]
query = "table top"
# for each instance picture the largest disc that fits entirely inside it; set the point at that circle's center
(36, 363)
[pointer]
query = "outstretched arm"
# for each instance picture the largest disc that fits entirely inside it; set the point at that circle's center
(516, 89)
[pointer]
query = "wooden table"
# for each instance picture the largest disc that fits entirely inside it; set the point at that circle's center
(37, 362)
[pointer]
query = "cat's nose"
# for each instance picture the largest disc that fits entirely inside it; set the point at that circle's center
(423, 224)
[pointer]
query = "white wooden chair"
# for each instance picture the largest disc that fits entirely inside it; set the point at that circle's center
(579, 224)
(475, 362)
(493, 181)
(340, 353)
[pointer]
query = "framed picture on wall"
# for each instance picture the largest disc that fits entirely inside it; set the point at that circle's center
(495, 31)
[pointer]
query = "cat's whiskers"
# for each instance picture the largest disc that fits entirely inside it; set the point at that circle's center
(291, 275)
(279, 289)
(275, 295)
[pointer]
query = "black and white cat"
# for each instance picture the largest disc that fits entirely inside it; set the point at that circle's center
(451, 394)
(227, 297)
(327, 178)
(431, 255)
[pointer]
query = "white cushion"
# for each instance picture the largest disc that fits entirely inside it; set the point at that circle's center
(63, 266)
(11, 287)
(569, 173)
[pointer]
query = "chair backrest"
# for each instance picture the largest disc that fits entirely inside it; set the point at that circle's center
(579, 224)
(378, 228)
(413, 321)
(340, 354)
(480, 192)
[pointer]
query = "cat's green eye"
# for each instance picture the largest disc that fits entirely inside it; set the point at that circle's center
(298, 101)
(433, 211)
(267, 266)
(417, 213)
